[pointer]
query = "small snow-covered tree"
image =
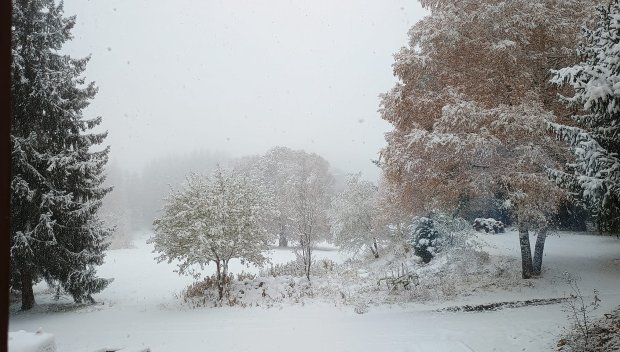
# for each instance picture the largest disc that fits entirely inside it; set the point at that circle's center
(57, 163)
(212, 221)
(595, 141)
(310, 191)
(353, 217)
(424, 238)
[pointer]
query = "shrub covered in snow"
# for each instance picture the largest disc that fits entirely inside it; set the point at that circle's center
(424, 238)
(488, 225)
(603, 335)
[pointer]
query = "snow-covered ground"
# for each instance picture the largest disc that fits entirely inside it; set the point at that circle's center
(142, 308)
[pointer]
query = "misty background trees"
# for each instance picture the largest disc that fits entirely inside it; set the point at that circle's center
(139, 195)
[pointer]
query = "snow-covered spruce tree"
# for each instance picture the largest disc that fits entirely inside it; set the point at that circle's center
(471, 107)
(354, 215)
(56, 171)
(424, 238)
(212, 221)
(595, 176)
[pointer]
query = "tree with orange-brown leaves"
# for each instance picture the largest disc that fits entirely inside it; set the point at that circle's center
(471, 108)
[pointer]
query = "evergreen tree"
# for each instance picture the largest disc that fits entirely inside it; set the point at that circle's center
(424, 238)
(56, 175)
(595, 176)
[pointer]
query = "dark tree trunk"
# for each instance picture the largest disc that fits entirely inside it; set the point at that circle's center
(220, 283)
(309, 263)
(282, 241)
(27, 292)
(526, 252)
(374, 248)
(538, 252)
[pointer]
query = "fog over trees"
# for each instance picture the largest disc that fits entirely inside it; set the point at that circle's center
(503, 129)
(139, 196)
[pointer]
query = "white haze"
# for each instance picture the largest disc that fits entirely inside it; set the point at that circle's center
(241, 76)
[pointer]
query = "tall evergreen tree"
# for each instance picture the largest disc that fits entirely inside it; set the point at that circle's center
(595, 176)
(57, 175)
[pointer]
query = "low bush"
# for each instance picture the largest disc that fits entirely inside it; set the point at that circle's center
(488, 225)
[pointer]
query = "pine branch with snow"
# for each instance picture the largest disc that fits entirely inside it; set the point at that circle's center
(595, 174)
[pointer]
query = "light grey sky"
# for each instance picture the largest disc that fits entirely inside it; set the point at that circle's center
(242, 76)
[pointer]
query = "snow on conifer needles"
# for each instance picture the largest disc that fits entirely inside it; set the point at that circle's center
(56, 165)
(596, 141)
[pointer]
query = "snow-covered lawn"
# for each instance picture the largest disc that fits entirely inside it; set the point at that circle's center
(141, 308)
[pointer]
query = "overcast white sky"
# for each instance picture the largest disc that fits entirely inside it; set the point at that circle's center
(242, 76)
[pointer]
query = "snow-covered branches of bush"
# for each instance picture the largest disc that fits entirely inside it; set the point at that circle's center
(212, 221)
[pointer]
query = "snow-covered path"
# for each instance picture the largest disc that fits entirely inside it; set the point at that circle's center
(140, 309)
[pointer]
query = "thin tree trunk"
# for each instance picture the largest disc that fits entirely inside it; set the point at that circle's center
(538, 251)
(225, 278)
(526, 252)
(374, 248)
(220, 286)
(309, 255)
(27, 292)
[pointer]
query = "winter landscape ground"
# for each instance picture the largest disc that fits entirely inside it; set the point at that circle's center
(143, 308)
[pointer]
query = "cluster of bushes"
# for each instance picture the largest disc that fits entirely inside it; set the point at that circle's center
(442, 254)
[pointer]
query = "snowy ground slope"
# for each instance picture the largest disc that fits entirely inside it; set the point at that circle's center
(140, 309)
